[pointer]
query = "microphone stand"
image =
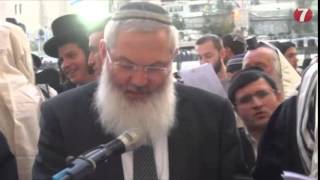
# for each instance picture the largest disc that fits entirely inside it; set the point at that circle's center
(87, 163)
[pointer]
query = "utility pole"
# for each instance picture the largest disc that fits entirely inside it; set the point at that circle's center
(241, 16)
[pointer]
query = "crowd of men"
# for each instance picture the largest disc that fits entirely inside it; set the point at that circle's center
(117, 77)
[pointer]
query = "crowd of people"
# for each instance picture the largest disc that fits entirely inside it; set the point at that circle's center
(117, 77)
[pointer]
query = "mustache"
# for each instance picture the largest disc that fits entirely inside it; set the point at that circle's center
(138, 89)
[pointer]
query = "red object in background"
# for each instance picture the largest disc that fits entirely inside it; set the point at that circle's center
(303, 15)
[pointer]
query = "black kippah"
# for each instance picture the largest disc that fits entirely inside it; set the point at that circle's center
(143, 10)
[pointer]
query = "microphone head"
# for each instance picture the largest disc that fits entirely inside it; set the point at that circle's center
(131, 139)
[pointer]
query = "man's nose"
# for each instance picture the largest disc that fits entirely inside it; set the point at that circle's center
(65, 65)
(257, 102)
(139, 77)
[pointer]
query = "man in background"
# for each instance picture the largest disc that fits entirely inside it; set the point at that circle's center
(268, 58)
(233, 45)
(210, 50)
(70, 45)
(95, 61)
(289, 50)
(20, 99)
(290, 142)
(255, 96)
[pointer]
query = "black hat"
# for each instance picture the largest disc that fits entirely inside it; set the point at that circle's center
(235, 63)
(235, 42)
(67, 28)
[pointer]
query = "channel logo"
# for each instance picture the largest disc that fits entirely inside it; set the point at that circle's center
(303, 15)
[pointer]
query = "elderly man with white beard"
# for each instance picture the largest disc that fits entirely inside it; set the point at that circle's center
(190, 133)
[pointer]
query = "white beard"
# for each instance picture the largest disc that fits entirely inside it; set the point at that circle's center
(153, 118)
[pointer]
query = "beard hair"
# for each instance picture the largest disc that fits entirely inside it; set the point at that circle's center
(218, 65)
(153, 117)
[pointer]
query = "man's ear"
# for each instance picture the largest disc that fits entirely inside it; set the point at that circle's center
(175, 53)
(235, 108)
(102, 49)
(280, 96)
(222, 54)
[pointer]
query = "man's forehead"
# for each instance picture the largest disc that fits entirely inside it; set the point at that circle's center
(157, 38)
(207, 47)
(68, 47)
(259, 84)
(261, 54)
(266, 52)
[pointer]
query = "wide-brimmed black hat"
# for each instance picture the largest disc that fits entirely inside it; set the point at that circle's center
(67, 28)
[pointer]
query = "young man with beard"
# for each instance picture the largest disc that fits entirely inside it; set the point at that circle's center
(192, 132)
(210, 50)
(255, 96)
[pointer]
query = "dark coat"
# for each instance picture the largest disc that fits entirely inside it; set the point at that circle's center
(202, 146)
(278, 149)
(8, 166)
(247, 151)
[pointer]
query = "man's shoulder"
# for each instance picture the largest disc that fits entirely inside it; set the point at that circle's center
(72, 96)
(196, 94)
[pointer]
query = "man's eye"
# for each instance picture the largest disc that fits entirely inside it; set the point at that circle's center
(154, 68)
(262, 94)
(126, 66)
(71, 55)
(208, 56)
(245, 99)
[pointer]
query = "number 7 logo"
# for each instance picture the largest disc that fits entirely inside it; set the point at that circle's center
(303, 15)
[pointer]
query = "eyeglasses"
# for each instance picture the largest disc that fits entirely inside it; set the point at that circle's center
(130, 68)
(247, 99)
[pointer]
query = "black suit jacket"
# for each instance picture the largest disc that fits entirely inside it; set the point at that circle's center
(202, 146)
(8, 165)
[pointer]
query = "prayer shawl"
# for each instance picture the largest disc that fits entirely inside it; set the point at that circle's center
(290, 78)
(19, 98)
(307, 120)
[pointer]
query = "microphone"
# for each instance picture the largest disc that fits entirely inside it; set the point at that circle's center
(87, 162)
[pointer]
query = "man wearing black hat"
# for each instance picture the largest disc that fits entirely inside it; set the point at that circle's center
(184, 133)
(70, 44)
(233, 45)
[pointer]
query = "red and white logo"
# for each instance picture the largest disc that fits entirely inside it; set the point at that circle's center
(303, 15)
